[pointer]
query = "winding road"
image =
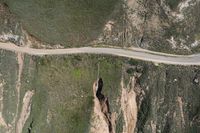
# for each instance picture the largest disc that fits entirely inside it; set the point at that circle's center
(134, 53)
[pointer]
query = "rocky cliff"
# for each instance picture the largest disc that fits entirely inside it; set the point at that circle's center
(55, 94)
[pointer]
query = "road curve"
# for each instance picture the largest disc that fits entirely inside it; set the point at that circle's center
(139, 54)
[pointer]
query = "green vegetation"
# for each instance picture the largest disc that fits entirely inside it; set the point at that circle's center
(63, 95)
(63, 91)
(119, 123)
(197, 36)
(67, 22)
(173, 3)
(8, 75)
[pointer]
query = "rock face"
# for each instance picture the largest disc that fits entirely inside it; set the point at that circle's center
(165, 101)
(159, 25)
(101, 121)
(129, 106)
(54, 94)
(170, 102)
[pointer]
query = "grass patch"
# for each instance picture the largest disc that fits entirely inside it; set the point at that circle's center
(173, 3)
(64, 91)
(66, 22)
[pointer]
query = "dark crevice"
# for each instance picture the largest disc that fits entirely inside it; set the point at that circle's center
(5, 5)
(167, 127)
(145, 4)
(104, 103)
(143, 114)
(143, 32)
(99, 95)
(30, 127)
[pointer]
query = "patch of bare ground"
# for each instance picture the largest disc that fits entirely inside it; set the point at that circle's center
(20, 61)
(10, 127)
(17, 125)
(133, 9)
(129, 106)
(103, 121)
(2, 121)
(26, 109)
(180, 103)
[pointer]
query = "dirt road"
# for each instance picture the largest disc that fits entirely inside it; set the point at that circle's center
(134, 53)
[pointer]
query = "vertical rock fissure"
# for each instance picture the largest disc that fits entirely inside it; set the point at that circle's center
(102, 121)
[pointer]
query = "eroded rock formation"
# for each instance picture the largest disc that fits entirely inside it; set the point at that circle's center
(101, 110)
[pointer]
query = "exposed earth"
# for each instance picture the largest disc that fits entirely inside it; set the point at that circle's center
(170, 26)
(142, 97)
(99, 66)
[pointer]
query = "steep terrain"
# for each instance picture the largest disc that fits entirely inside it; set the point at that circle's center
(96, 93)
(170, 26)
(55, 94)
